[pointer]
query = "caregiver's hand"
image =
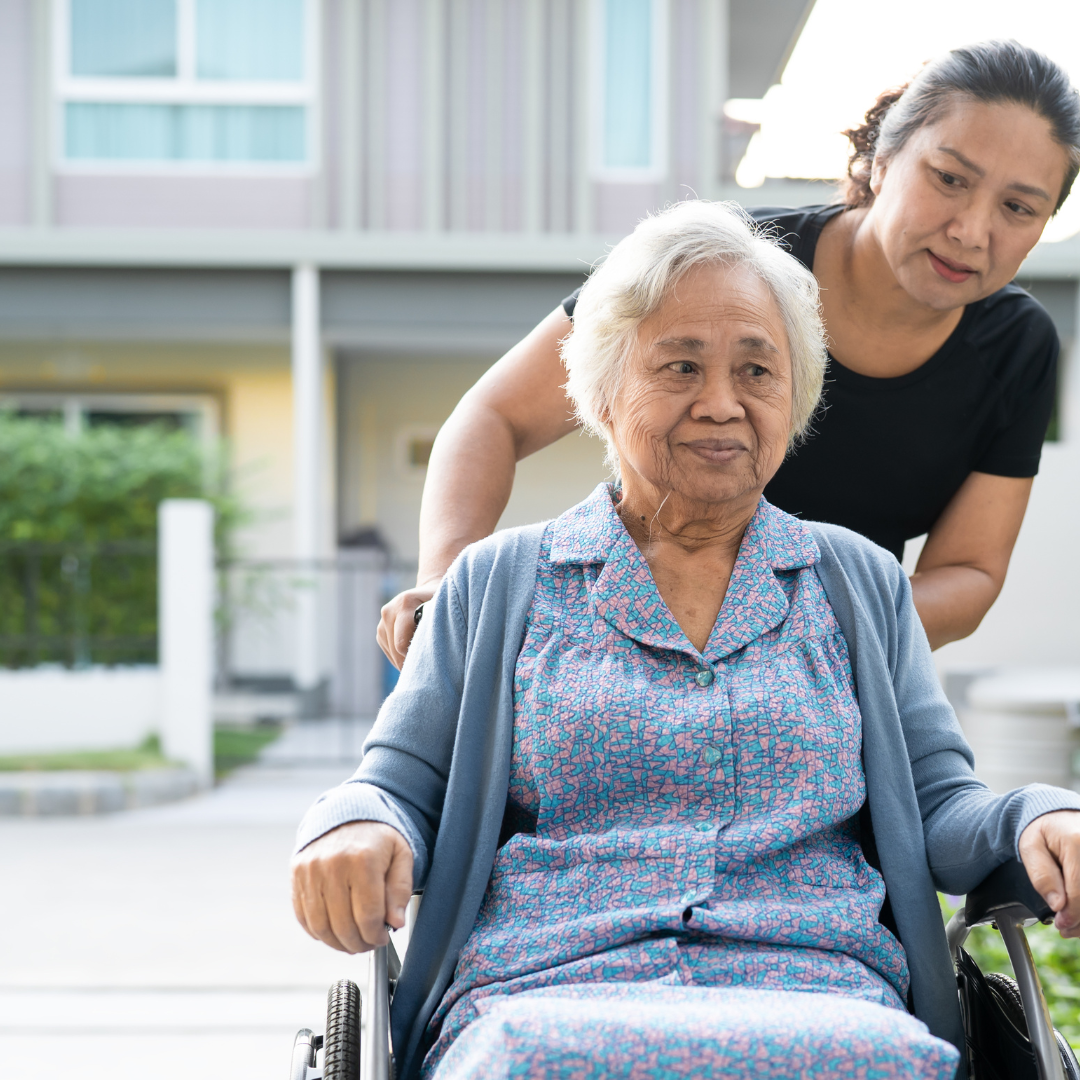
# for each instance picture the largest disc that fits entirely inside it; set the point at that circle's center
(397, 622)
(1050, 851)
(351, 882)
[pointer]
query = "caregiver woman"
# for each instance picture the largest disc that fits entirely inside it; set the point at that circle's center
(942, 374)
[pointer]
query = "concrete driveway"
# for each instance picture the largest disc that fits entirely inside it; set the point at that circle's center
(161, 943)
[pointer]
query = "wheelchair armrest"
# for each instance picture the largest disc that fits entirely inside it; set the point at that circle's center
(1006, 887)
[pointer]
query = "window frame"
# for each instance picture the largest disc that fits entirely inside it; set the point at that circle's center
(186, 89)
(73, 405)
(657, 169)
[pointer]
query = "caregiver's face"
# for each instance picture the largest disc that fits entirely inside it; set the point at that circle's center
(705, 408)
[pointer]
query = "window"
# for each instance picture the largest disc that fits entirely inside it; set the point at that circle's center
(197, 414)
(185, 83)
(629, 90)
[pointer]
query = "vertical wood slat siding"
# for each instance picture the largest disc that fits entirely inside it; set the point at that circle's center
(434, 108)
(671, 186)
(404, 136)
(315, 60)
(502, 114)
(533, 116)
(559, 116)
(41, 182)
(349, 52)
(583, 188)
(494, 93)
(376, 114)
(458, 123)
(712, 91)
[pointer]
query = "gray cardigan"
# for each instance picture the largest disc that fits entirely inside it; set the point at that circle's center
(439, 754)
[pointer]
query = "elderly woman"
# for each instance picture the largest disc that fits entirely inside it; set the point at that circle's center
(627, 760)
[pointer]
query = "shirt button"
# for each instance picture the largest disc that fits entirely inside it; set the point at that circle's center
(703, 678)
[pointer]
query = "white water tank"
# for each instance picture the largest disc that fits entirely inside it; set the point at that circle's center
(1023, 725)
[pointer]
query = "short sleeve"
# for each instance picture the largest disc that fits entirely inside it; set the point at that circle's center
(570, 303)
(1028, 396)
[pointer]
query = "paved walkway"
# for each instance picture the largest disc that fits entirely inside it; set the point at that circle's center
(160, 944)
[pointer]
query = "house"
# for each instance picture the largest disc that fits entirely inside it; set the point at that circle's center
(307, 226)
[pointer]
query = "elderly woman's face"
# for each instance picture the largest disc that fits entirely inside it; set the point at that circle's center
(705, 408)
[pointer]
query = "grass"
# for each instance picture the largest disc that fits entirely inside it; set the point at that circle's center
(1057, 960)
(147, 755)
(233, 747)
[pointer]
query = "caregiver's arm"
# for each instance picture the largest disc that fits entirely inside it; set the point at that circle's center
(962, 567)
(517, 408)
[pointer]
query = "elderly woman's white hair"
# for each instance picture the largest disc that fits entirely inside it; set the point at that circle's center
(639, 274)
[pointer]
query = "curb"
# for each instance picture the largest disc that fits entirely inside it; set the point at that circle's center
(74, 793)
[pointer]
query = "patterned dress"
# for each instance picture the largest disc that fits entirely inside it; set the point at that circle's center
(687, 894)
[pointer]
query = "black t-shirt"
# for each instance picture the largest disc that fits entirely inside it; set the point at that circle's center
(887, 455)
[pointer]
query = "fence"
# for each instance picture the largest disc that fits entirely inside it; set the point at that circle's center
(103, 644)
(78, 605)
(260, 612)
(89, 607)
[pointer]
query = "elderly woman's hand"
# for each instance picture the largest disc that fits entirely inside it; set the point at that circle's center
(1050, 850)
(350, 883)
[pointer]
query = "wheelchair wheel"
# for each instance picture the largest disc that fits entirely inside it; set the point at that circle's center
(1068, 1058)
(341, 1044)
(1008, 995)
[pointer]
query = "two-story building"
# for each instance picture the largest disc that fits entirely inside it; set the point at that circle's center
(307, 226)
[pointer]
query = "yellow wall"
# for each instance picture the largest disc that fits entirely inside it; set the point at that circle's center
(384, 397)
(251, 383)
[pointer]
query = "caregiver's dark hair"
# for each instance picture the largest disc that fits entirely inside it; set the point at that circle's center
(991, 71)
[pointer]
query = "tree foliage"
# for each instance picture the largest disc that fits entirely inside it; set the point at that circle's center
(78, 529)
(104, 484)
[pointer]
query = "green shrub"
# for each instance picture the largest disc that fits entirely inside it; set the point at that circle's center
(78, 530)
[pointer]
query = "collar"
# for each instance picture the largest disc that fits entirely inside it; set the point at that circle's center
(625, 594)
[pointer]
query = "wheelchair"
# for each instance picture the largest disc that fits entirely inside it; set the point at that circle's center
(1007, 1025)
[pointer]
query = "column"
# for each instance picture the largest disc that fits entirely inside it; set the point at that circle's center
(186, 632)
(307, 433)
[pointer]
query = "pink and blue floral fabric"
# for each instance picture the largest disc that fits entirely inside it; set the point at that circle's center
(688, 822)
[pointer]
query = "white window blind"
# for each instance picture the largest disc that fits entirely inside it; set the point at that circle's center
(187, 82)
(629, 89)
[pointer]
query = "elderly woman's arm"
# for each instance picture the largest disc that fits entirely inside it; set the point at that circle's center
(968, 829)
(365, 845)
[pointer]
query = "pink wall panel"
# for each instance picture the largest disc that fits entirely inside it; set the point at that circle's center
(513, 103)
(404, 115)
(619, 207)
(686, 92)
(331, 111)
(183, 202)
(15, 112)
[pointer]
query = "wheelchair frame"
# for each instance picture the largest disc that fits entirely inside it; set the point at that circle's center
(1006, 900)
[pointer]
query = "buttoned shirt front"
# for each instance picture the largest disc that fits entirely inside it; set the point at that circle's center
(684, 815)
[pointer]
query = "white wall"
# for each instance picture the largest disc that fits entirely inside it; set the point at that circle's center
(1035, 620)
(100, 709)
(385, 398)
(50, 709)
